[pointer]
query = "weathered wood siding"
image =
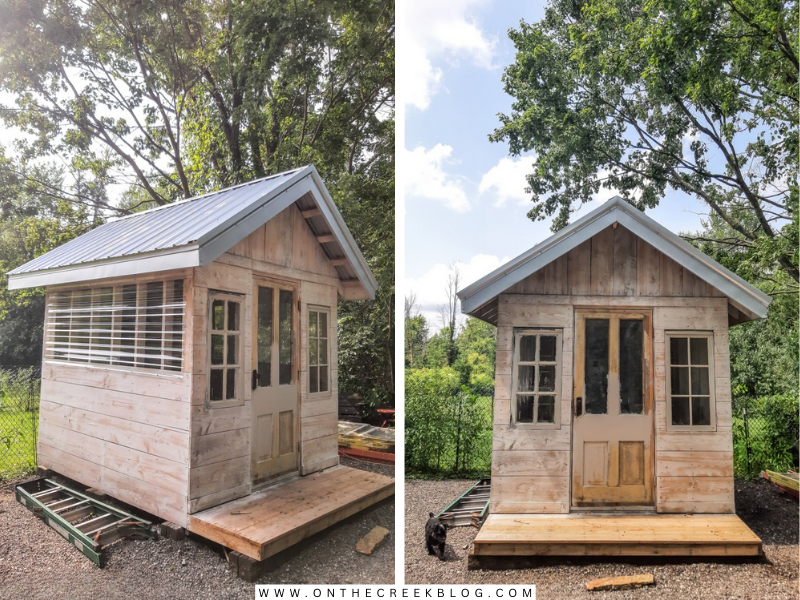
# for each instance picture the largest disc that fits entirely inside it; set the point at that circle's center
(125, 432)
(531, 468)
(614, 263)
(285, 249)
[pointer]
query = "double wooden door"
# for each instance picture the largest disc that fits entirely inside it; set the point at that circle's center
(274, 401)
(613, 409)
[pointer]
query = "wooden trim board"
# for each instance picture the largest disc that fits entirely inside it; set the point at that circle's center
(282, 515)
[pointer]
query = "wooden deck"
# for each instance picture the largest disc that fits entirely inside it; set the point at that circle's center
(615, 535)
(270, 520)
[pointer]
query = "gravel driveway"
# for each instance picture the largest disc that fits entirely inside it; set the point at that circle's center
(772, 515)
(36, 563)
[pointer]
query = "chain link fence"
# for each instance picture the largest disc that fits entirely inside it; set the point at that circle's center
(19, 420)
(765, 435)
(448, 430)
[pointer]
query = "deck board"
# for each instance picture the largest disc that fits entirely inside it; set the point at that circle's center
(270, 520)
(615, 535)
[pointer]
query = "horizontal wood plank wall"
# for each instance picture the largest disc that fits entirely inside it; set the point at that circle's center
(615, 263)
(530, 467)
(319, 445)
(125, 432)
(284, 249)
(694, 471)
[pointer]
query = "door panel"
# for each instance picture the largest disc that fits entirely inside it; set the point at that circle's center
(613, 422)
(274, 398)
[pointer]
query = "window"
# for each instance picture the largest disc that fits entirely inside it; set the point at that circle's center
(690, 381)
(224, 349)
(537, 379)
(131, 325)
(318, 371)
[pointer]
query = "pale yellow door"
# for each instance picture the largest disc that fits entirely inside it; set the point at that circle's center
(612, 463)
(274, 381)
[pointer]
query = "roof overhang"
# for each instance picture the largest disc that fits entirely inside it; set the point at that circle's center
(477, 299)
(219, 240)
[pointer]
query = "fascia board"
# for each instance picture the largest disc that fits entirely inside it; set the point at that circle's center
(343, 235)
(137, 264)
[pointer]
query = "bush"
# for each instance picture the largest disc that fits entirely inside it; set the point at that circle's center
(771, 435)
(448, 428)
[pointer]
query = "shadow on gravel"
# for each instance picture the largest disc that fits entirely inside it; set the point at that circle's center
(770, 513)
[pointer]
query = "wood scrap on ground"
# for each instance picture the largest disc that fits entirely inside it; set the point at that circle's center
(369, 542)
(626, 582)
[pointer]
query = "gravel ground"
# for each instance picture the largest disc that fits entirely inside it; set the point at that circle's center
(37, 563)
(772, 515)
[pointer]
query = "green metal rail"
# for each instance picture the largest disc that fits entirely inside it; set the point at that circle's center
(86, 523)
(469, 508)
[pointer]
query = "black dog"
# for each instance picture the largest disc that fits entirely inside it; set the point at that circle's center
(435, 536)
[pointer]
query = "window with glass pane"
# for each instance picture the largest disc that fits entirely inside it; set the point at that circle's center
(536, 378)
(135, 325)
(691, 401)
(318, 368)
(225, 350)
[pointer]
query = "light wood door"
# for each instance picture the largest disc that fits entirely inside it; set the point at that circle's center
(274, 411)
(613, 410)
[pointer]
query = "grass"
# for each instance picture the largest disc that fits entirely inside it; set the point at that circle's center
(17, 443)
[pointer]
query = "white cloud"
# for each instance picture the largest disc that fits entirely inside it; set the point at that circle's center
(506, 181)
(439, 30)
(426, 177)
(431, 288)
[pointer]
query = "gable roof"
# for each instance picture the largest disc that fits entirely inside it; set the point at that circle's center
(750, 301)
(196, 231)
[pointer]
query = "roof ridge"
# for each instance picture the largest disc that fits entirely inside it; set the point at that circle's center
(193, 198)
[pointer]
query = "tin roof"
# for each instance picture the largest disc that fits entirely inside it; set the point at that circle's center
(194, 232)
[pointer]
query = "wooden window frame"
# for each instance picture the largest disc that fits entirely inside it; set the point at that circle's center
(712, 397)
(240, 389)
(326, 310)
(519, 333)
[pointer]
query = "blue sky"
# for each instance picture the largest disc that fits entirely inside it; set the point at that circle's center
(465, 198)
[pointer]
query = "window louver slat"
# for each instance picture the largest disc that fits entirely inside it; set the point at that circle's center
(138, 326)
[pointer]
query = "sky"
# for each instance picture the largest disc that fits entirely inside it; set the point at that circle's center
(465, 200)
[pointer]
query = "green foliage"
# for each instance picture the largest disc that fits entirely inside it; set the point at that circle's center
(448, 428)
(449, 409)
(35, 220)
(771, 434)
(19, 419)
(698, 96)
(172, 99)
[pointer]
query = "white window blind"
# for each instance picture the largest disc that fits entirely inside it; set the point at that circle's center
(129, 325)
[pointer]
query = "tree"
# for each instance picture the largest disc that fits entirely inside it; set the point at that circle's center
(416, 331)
(448, 313)
(698, 96)
(185, 96)
(34, 221)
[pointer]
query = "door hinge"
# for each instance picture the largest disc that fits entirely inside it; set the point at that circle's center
(298, 306)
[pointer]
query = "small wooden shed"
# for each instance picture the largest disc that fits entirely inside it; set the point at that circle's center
(612, 391)
(190, 360)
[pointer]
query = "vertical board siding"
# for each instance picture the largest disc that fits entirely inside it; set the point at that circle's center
(284, 249)
(615, 262)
